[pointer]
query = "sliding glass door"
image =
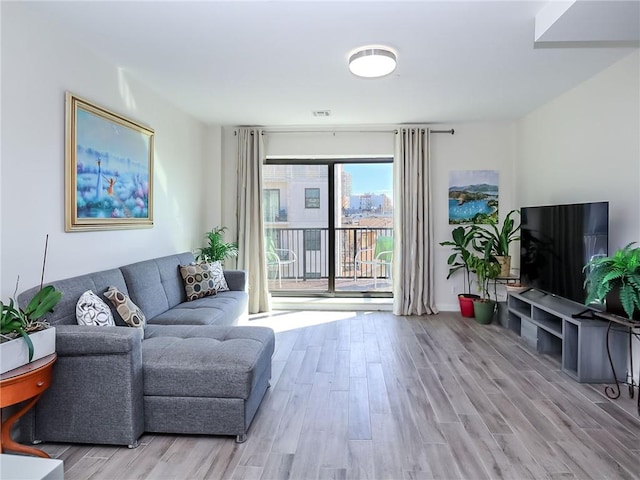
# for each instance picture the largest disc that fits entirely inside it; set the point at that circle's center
(328, 226)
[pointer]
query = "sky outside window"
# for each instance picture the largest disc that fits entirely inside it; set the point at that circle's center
(370, 178)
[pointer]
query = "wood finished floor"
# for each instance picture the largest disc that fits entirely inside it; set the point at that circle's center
(375, 396)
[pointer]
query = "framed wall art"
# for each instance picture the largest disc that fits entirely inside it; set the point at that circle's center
(473, 196)
(108, 169)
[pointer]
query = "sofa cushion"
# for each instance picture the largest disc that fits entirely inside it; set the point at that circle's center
(225, 308)
(156, 285)
(65, 311)
(205, 360)
(92, 311)
(128, 311)
(198, 280)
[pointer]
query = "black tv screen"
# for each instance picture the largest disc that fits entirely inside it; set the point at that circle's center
(556, 243)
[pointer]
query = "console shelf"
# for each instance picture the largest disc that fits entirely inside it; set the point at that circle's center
(546, 323)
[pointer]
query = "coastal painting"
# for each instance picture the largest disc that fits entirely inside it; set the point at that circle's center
(109, 169)
(473, 196)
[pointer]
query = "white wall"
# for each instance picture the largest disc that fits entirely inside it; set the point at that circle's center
(38, 65)
(585, 146)
(475, 146)
(213, 201)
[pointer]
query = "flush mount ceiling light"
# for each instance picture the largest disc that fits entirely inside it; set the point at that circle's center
(372, 61)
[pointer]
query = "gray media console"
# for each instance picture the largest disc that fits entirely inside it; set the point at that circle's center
(546, 323)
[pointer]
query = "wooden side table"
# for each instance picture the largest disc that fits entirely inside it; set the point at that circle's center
(24, 383)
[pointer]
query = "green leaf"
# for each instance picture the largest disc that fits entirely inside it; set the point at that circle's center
(217, 250)
(628, 299)
(620, 270)
(27, 339)
(42, 302)
(11, 319)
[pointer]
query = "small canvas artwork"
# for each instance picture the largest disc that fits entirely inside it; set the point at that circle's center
(109, 170)
(473, 196)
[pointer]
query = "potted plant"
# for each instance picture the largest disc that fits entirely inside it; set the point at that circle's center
(17, 325)
(500, 240)
(487, 269)
(460, 260)
(615, 281)
(217, 250)
(24, 334)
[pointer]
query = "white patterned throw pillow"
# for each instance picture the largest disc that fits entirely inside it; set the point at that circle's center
(217, 275)
(92, 311)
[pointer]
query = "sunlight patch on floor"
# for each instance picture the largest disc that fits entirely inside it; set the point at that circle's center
(282, 321)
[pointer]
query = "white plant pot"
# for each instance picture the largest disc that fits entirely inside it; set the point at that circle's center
(14, 353)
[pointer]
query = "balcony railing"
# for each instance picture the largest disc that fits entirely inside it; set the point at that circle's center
(305, 253)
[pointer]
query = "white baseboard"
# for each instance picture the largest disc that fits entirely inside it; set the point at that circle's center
(453, 307)
(344, 304)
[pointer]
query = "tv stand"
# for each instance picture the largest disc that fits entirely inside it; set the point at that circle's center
(586, 313)
(555, 326)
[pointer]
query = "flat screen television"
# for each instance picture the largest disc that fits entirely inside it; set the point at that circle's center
(556, 243)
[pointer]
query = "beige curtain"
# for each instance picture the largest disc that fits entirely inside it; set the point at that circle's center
(413, 231)
(251, 244)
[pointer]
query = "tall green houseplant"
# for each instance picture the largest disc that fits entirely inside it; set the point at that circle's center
(501, 239)
(217, 249)
(460, 242)
(615, 279)
(487, 269)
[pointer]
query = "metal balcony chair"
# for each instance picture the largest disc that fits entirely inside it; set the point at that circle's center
(279, 257)
(381, 255)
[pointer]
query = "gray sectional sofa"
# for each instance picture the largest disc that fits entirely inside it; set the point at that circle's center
(191, 370)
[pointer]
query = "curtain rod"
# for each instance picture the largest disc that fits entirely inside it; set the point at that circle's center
(450, 131)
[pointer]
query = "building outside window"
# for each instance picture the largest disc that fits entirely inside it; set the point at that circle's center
(271, 202)
(311, 198)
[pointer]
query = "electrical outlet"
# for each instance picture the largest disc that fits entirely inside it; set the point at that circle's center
(453, 289)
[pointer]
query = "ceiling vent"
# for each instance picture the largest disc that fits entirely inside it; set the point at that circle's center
(322, 113)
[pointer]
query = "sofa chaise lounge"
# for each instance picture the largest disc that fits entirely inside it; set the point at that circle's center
(191, 370)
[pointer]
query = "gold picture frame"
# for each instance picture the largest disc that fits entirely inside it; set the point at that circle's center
(108, 169)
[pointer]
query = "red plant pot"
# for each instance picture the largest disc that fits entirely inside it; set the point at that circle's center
(466, 304)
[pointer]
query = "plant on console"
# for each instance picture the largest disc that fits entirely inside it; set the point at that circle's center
(501, 238)
(617, 273)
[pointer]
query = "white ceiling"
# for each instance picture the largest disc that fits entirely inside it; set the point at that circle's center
(274, 62)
